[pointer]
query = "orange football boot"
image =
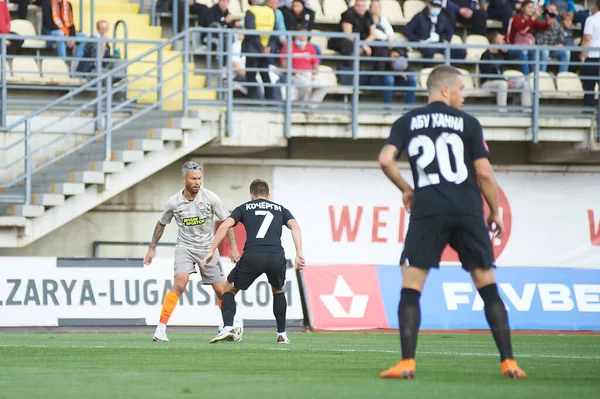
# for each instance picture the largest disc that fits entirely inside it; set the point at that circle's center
(511, 369)
(405, 369)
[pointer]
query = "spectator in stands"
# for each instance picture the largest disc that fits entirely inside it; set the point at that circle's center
(521, 31)
(568, 7)
(357, 20)
(305, 66)
(279, 24)
(238, 64)
(501, 10)
(22, 6)
(197, 9)
(88, 63)
(57, 20)
(468, 12)
(555, 36)
(12, 46)
(259, 17)
(590, 70)
(383, 29)
(492, 71)
(432, 26)
(219, 14)
(298, 15)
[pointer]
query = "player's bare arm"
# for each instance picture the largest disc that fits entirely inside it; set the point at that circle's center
(387, 161)
(219, 237)
(158, 232)
(297, 237)
(234, 254)
(489, 188)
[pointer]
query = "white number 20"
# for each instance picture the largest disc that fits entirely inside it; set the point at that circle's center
(440, 151)
(264, 226)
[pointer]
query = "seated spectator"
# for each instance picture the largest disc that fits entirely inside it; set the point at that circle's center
(298, 15)
(12, 46)
(57, 20)
(357, 20)
(432, 26)
(555, 36)
(238, 65)
(383, 29)
(217, 15)
(589, 72)
(88, 63)
(259, 17)
(468, 12)
(305, 67)
(521, 31)
(568, 7)
(501, 10)
(492, 71)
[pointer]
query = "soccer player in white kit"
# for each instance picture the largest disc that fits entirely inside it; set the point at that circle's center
(193, 209)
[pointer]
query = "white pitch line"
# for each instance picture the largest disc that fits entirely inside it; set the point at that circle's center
(280, 348)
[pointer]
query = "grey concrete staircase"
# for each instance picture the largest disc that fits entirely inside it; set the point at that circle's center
(84, 179)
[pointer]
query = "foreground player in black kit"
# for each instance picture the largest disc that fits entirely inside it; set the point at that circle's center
(450, 164)
(263, 253)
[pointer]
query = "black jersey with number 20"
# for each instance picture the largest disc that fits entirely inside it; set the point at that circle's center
(263, 220)
(442, 143)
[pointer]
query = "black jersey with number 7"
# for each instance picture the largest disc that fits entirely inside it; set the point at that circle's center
(442, 144)
(263, 220)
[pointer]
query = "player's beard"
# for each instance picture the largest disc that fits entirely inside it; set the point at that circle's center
(192, 190)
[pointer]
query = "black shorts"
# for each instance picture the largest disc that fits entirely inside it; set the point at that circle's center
(253, 264)
(468, 235)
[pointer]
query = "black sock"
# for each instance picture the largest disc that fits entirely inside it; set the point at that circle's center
(279, 309)
(496, 316)
(228, 309)
(409, 315)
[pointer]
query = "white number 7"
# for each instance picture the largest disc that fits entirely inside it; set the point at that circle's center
(264, 226)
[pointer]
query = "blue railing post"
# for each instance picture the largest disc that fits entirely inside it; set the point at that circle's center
(27, 161)
(186, 58)
(152, 12)
(175, 19)
(3, 60)
(81, 15)
(535, 115)
(92, 18)
(230, 76)
(447, 54)
(221, 57)
(108, 121)
(288, 87)
(160, 76)
(355, 86)
(99, 56)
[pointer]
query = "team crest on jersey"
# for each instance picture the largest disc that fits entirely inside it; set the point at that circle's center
(202, 206)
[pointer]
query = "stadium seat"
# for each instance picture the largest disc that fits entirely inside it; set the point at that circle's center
(412, 8)
(423, 77)
(25, 70)
(475, 53)
(456, 40)
(210, 3)
(321, 41)
(546, 84)
(512, 73)
(392, 11)
(315, 5)
(333, 9)
(328, 75)
(55, 71)
(24, 27)
(568, 83)
(235, 9)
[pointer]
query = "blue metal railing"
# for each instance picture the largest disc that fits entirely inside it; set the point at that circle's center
(104, 107)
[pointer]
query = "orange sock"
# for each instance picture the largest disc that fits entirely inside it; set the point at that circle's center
(220, 303)
(169, 304)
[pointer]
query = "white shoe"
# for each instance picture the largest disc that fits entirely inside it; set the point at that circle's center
(224, 335)
(239, 334)
(283, 339)
(160, 335)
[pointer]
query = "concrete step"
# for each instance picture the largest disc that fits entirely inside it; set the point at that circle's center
(50, 188)
(144, 145)
(47, 199)
(96, 154)
(27, 211)
(161, 133)
(156, 121)
(75, 164)
(12, 221)
(86, 177)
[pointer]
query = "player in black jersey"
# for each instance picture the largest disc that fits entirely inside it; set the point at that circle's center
(263, 253)
(450, 163)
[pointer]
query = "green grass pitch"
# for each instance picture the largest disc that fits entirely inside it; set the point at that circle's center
(315, 365)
